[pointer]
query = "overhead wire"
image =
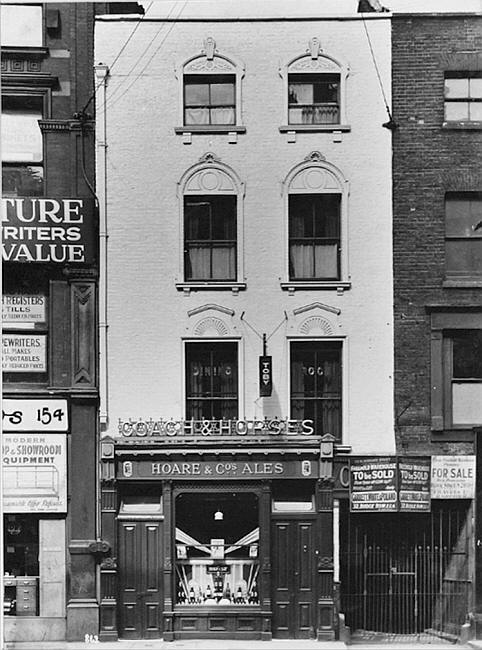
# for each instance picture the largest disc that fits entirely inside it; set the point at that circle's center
(96, 88)
(391, 123)
(110, 101)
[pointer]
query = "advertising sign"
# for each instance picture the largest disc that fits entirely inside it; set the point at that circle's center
(24, 353)
(265, 376)
(23, 310)
(34, 472)
(453, 477)
(414, 484)
(53, 230)
(232, 469)
(373, 484)
(35, 415)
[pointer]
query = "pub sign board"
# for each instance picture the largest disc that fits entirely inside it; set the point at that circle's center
(50, 230)
(265, 376)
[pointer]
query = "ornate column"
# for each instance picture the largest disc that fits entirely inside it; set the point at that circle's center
(108, 566)
(168, 613)
(264, 588)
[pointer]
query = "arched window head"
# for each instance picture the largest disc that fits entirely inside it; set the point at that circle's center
(211, 202)
(211, 92)
(315, 91)
(315, 194)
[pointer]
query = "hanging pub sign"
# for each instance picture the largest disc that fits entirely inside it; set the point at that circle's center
(414, 484)
(453, 477)
(265, 376)
(373, 485)
(52, 230)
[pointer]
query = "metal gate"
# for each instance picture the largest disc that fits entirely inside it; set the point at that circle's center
(407, 575)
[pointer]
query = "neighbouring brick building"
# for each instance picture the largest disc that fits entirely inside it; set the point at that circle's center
(437, 258)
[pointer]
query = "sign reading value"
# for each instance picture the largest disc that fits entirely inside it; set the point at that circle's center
(390, 484)
(56, 230)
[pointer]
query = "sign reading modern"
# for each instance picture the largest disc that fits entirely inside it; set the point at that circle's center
(53, 230)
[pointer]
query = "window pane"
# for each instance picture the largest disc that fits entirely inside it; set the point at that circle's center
(222, 94)
(197, 220)
(475, 109)
(466, 403)
(21, 25)
(462, 214)
(300, 93)
(325, 92)
(224, 263)
(456, 88)
(463, 258)
(196, 94)
(22, 180)
(196, 116)
(475, 88)
(326, 261)
(21, 548)
(467, 355)
(21, 135)
(456, 111)
(223, 116)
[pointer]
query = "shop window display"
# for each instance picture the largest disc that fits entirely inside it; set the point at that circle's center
(21, 565)
(217, 542)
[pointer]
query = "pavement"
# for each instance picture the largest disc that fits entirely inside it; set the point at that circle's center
(289, 644)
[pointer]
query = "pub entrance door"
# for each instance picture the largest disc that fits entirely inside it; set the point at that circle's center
(140, 579)
(293, 578)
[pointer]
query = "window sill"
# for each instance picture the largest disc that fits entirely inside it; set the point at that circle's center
(462, 283)
(25, 51)
(303, 285)
(206, 128)
(461, 126)
(329, 128)
(187, 287)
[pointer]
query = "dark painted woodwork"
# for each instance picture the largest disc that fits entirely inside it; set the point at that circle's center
(294, 547)
(59, 334)
(140, 579)
(83, 298)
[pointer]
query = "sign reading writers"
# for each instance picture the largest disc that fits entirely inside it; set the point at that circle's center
(373, 484)
(453, 477)
(34, 472)
(53, 230)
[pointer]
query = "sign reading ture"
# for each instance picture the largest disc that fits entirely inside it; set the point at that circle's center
(58, 230)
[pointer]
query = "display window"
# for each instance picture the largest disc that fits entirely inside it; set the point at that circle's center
(21, 565)
(217, 549)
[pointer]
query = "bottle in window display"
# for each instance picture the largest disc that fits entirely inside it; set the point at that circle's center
(227, 593)
(192, 597)
(253, 595)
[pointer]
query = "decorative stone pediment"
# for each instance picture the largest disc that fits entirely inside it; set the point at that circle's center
(313, 175)
(210, 176)
(308, 321)
(215, 321)
(210, 60)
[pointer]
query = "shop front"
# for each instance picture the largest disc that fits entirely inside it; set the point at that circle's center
(217, 541)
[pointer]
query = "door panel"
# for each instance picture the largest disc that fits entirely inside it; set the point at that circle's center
(294, 575)
(140, 591)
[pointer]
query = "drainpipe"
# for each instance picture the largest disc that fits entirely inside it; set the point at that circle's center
(101, 72)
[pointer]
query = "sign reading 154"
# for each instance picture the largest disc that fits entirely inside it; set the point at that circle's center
(35, 415)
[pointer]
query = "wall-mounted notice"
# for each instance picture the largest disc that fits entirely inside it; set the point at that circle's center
(24, 352)
(34, 472)
(373, 484)
(453, 477)
(23, 310)
(35, 415)
(414, 484)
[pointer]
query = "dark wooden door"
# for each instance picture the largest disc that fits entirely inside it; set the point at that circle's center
(293, 578)
(140, 579)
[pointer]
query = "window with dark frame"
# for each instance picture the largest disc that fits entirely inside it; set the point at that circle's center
(314, 236)
(209, 100)
(22, 145)
(464, 377)
(463, 97)
(313, 99)
(463, 235)
(316, 384)
(211, 380)
(210, 238)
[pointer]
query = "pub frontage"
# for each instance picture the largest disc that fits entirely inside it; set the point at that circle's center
(221, 529)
